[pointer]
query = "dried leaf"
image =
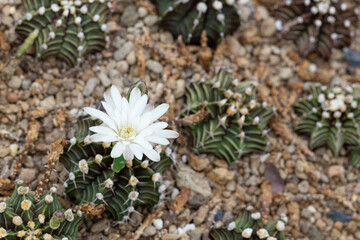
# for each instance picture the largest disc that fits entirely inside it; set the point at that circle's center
(266, 200)
(179, 202)
(92, 210)
(194, 118)
(272, 175)
(205, 53)
(6, 187)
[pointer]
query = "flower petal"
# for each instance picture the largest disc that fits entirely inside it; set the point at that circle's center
(142, 142)
(167, 134)
(136, 150)
(117, 150)
(116, 97)
(103, 130)
(134, 97)
(108, 99)
(157, 140)
(152, 154)
(159, 111)
(128, 154)
(102, 138)
(108, 109)
(153, 128)
(100, 115)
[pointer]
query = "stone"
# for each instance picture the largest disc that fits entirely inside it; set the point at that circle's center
(100, 225)
(52, 89)
(104, 79)
(221, 175)
(142, 12)
(121, 53)
(13, 149)
(129, 16)
(286, 73)
(188, 177)
(154, 66)
(335, 171)
(339, 216)
(351, 227)
(315, 234)
(235, 47)
(149, 231)
(304, 186)
(15, 82)
(48, 102)
(131, 58)
(12, 97)
(150, 20)
(27, 175)
(166, 38)
(198, 163)
(201, 214)
(180, 88)
(231, 186)
(89, 86)
(123, 66)
(194, 234)
(267, 27)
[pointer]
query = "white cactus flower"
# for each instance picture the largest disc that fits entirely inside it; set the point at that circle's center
(2, 207)
(17, 220)
(130, 125)
(69, 215)
(26, 205)
(256, 216)
(280, 226)
(3, 233)
(262, 233)
(201, 7)
(49, 199)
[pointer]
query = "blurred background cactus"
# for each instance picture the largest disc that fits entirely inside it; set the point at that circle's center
(330, 116)
(236, 121)
(23, 218)
(316, 25)
(190, 17)
(250, 226)
(67, 29)
(92, 178)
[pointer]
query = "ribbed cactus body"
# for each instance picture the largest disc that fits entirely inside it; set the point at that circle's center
(91, 178)
(236, 122)
(67, 29)
(330, 116)
(316, 26)
(23, 218)
(246, 227)
(190, 17)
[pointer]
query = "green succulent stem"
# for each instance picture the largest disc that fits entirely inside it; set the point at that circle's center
(29, 41)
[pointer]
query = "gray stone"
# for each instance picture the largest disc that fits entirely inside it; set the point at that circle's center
(149, 231)
(121, 53)
(123, 66)
(150, 20)
(187, 177)
(26, 84)
(194, 234)
(100, 225)
(52, 90)
(89, 86)
(142, 12)
(129, 17)
(267, 27)
(104, 79)
(15, 82)
(154, 66)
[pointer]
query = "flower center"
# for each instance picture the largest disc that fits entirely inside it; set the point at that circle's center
(127, 132)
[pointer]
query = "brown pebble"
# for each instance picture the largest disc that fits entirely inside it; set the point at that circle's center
(339, 225)
(12, 97)
(335, 171)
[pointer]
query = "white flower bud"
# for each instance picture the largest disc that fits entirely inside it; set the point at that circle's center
(133, 181)
(54, 7)
(246, 233)
(96, 18)
(201, 7)
(231, 226)
(248, 91)
(280, 226)
(69, 215)
(28, 16)
(158, 224)
(58, 23)
(41, 218)
(262, 233)
(22, 190)
(77, 20)
(26, 205)
(217, 5)
(41, 10)
(17, 220)
(2, 207)
(80, 35)
(47, 236)
(84, 9)
(99, 196)
(278, 25)
(109, 183)
(256, 120)
(156, 177)
(83, 166)
(133, 195)
(49, 199)
(103, 27)
(256, 216)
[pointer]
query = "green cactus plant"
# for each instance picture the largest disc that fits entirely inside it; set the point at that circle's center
(331, 117)
(92, 178)
(67, 29)
(190, 17)
(23, 218)
(250, 226)
(316, 25)
(236, 121)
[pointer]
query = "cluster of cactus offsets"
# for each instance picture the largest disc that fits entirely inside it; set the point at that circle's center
(330, 116)
(23, 218)
(67, 29)
(236, 121)
(317, 26)
(91, 178)
(250, 226)
(190, 17)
